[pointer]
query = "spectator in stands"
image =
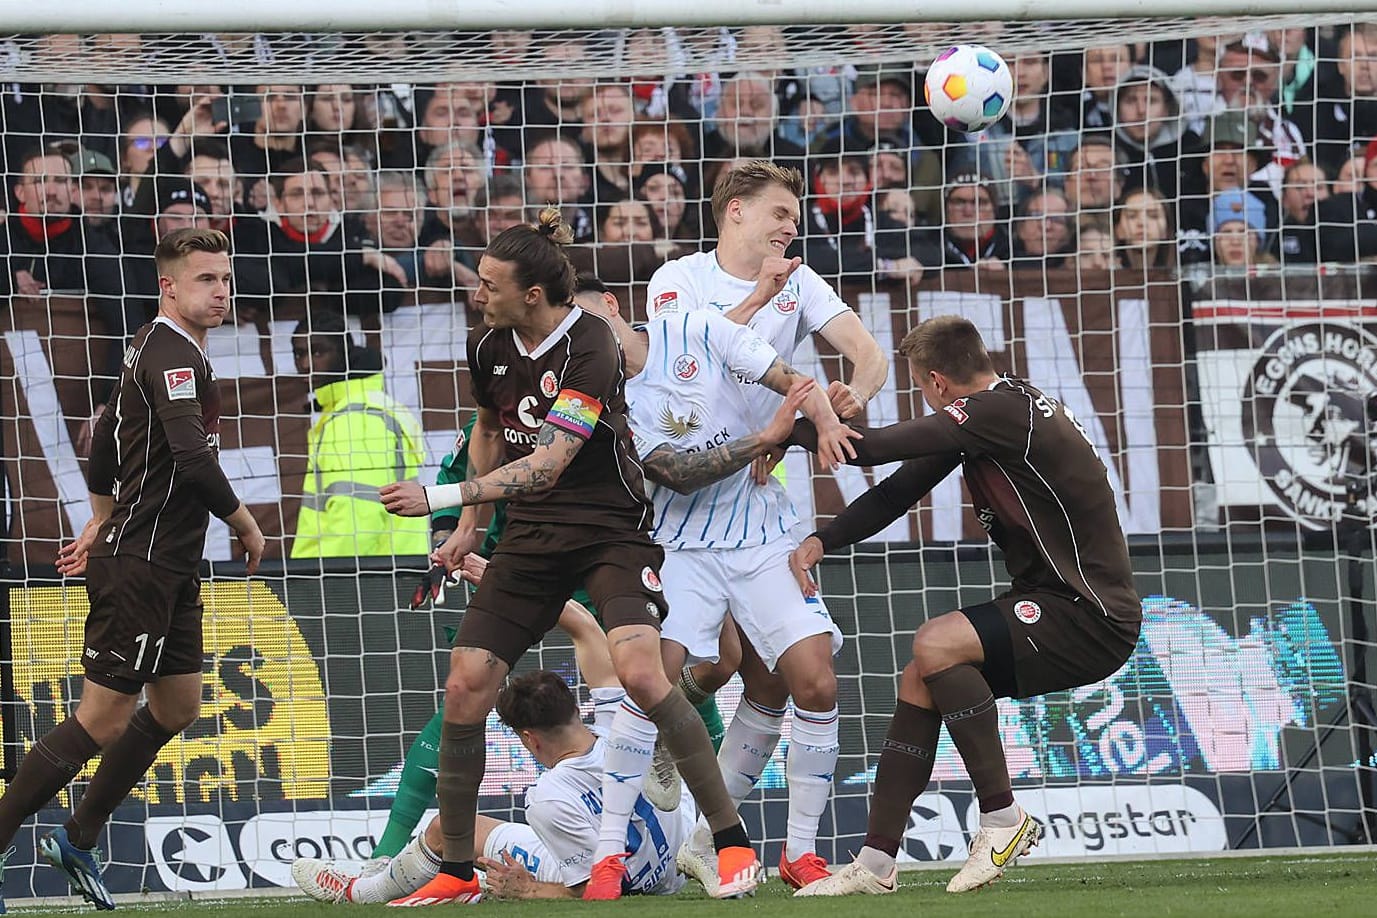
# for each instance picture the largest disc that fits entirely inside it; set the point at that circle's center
(1143, 234)
(452, 113)
(659, 185)
(1147, 130)
(362, 440)
(1303, 190)
(1094, 246)
(1349, 179)
(838, 226)
(1093, 182)
(210, 168)
(143, 137)
(1298, 65)
(1346, 101)
(1012, 176)
(1225, 166)
(323, 153)
(971, 233)
(880, 108)
(664, 143)
(360, 178)
(395, 223)
(48, 249)
(308, 250)
(1348, 222)
(1195, 85)
(1249, 75)
(1042, 230)
(179, 204)
(1238, 230)
(555, 172)
(746, 124)
(502, 205)
(1103, 70)
(100, 193)
(628, 221)
(264, 146)
(606, 138)
(1047, 132)
(331, 110)
(449, 237)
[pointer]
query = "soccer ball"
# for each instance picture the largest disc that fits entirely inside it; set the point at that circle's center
(969, 88)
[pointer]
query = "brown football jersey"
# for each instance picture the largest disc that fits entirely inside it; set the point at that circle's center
(165, 412)
(1037, 484)
(576, 380)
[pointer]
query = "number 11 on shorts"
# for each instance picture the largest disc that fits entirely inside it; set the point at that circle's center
(142, 641)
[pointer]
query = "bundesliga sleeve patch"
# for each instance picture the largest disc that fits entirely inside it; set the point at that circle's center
(667, 300)
(181, 383)
(575, 412)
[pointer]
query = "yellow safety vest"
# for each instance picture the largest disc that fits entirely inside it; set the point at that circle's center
(364, 439)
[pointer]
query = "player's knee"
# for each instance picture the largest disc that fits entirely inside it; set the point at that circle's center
(930, 654)
(817, 691)
(644, 680)
(176, 718)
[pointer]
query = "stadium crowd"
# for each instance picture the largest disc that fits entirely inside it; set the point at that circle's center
(1237, 150)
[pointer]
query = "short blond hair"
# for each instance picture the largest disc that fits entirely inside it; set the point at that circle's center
(178, 244)
(750, 179)
(951, 345)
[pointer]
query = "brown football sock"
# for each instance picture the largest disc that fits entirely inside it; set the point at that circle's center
(49, 766)
(968, 709)
(903, 773)
(686, 739)
(463, 758)
(122, 765)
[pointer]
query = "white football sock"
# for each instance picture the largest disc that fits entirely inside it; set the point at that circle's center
(750, 740)
(629, 747)
(413, 867)
(876, 861)
(813, 749)
(1004, 818)
(606, 700)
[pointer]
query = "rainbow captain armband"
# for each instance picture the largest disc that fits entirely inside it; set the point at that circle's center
(575, 412)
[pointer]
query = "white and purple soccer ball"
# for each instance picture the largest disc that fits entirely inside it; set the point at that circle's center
(969, 88)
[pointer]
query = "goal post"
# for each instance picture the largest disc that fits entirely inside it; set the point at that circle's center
(1231, 395)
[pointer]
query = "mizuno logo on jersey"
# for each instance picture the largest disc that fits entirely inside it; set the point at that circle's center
(678, 427)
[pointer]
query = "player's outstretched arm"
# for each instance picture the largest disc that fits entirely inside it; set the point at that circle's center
(833, 437)
(869, 513)
(919, 438)
(685, 473)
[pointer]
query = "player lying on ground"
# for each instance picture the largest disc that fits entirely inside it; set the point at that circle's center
(156, 446)
(727, 544)
(548, 380)
(1070, 618)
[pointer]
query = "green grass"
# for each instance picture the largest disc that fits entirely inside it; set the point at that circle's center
(1285, 887)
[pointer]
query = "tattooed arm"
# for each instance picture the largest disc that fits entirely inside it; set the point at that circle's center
(834, 438)
(555, 448)
(685, 473)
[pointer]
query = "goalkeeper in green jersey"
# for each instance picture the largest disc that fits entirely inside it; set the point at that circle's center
(416, 788)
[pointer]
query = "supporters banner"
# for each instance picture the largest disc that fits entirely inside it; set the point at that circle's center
(1114, 357)
(1288, 388)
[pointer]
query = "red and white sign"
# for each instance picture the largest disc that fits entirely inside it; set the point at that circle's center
(651, 580)
(181, 383)
(1027, 612)
(956, 410)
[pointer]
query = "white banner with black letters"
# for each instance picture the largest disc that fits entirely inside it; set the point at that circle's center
(1287, 388)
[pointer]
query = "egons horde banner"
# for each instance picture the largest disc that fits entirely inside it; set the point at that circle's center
(1288, 386)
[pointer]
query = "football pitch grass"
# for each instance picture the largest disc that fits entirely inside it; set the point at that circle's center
(1304, 886)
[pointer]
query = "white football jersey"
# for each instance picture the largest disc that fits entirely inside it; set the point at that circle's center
(697, 281)
(693, 395)
(564, 807)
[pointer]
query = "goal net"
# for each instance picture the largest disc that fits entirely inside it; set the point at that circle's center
(1169, 232)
